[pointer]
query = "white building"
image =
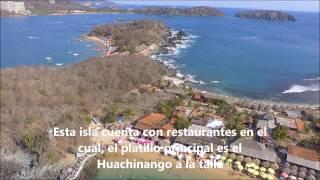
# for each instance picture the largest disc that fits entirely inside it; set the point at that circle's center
(14, 7)
(52, 1)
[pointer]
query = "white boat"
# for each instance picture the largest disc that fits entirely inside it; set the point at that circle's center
(59, 64)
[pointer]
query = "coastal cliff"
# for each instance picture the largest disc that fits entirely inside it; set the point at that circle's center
(193, 11)
(266, 15)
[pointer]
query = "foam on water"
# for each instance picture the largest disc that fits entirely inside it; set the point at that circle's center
(312, 79)
(296, 88)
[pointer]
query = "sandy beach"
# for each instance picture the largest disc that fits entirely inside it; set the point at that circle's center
(95, 39)
(173, 173)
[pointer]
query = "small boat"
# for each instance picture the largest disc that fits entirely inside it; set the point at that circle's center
(59, 64)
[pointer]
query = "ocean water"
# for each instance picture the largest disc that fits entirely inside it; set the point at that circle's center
(227, 55)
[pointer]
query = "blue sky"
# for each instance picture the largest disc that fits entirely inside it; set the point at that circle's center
(288, 5)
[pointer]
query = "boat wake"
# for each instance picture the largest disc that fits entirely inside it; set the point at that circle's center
(296, 88)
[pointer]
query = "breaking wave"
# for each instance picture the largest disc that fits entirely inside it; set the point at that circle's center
(296, 88)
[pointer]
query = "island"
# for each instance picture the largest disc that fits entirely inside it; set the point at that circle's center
(145, 37)
(193, 11)
(269, 15)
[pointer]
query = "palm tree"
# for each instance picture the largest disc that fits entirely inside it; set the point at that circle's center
(280, 133)
(166, 109)
(182, 123)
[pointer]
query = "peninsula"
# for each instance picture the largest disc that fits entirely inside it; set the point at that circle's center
(269, 15)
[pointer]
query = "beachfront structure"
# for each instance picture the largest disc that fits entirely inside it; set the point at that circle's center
(254, 149)
(303, 157)
(296, 125)
(151, 121)
(155, 121)
(211, 121)
(13, 7)
(198, 140)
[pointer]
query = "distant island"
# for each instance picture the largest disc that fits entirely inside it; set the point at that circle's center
(193, 11)
(266, 15)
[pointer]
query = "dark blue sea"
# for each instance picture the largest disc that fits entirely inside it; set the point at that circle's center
(227, 55)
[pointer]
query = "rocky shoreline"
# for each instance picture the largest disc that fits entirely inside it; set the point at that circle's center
(178, 38)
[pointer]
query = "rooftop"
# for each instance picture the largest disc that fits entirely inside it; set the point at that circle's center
(203, 140)
(151, 121)
(302, 152)
(265, 123)
(303, 157)
(283, 121)
(255, 149)
(300, 125)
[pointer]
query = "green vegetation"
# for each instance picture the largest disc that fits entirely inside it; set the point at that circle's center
(134, 35)
(28, 141)
(235, 119)
(35, 143)
(222, 105)
(280, 133)
(87, 119)
(182, 123)
(111, 117)
(128, 112)
(167, 107)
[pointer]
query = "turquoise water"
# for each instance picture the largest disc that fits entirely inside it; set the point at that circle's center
(249, 58)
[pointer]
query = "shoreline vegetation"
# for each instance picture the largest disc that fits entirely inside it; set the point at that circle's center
(126, 81)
